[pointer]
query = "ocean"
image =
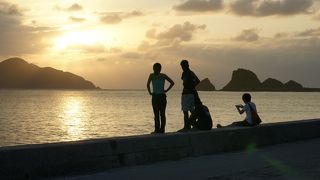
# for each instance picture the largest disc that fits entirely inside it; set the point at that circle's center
(45, 116)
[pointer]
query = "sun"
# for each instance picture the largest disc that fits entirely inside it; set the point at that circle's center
(76, 38)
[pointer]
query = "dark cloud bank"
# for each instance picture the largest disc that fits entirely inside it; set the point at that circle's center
(256, 8)
(17, 38)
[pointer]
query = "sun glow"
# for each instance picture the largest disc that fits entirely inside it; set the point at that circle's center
(80, 38)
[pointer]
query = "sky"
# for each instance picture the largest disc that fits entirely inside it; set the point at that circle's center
(115, 43)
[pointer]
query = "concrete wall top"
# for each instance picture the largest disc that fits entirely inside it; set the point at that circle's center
(55, 159)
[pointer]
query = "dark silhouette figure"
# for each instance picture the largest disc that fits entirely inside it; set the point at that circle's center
(201, 119)
(159, 98)
(252, 117)
(189, 95)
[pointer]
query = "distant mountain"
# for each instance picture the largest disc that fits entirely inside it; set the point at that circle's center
(205, 85)
(16, 73)
(271, 84)
(246, 80)
(243, 80)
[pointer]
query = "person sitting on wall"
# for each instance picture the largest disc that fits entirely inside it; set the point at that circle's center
(252, 117)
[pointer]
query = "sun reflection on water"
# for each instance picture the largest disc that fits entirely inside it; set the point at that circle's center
(72, 118)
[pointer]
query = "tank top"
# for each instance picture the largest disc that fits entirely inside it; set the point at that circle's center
(158, 84)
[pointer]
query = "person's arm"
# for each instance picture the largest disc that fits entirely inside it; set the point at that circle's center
(170, 81)
(240, 109)
(196, 79)
(148, 84)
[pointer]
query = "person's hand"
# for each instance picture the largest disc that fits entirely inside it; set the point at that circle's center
(239, 106)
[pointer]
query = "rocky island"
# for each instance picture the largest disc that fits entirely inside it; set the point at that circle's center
(16, 73)
(205, 85)
(246, 80)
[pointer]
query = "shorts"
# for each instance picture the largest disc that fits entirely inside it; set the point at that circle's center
(187, 102)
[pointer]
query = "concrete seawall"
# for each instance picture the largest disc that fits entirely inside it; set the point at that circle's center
(67, 158)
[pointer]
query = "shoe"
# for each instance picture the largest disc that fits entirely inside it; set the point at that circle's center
(194, 129)
(154, 132)
(184, 130)
(219, 126)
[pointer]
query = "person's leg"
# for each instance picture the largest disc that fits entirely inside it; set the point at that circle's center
(186, 120)
(235, 124)
(192, 118)
(240, 123)
(156, 112)
(163, 113)
(186, 103)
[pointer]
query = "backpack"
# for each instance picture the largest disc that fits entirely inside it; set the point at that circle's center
(256, 120)
(204, 120)
(203, 117)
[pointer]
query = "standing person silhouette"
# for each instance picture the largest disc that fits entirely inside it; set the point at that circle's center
(159, 98)
(189, 95)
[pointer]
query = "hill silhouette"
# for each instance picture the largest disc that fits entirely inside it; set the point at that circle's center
(205, 85)
(246, 80)
(243, 80)
(16, 73)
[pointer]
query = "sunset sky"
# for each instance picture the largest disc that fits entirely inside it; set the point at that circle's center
(114, 43)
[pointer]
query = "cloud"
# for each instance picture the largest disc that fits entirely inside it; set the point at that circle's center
(77, 19)
(7, 9)
(287, 59)
(182, 32)
(173, 36)
(111, 18)
(281, 35)
(309, 33)
(199, 6)
(248, 35)
(75, 7)
(17, 38)
(262, 8)
(94, 48)
(316, 17)
(132, 55)
(117, 17)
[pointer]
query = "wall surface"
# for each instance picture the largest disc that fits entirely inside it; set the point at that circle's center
(89, 156)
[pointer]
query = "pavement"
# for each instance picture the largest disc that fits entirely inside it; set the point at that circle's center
(294, 161)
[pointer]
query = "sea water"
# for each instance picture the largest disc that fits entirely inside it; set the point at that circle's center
(42, 116)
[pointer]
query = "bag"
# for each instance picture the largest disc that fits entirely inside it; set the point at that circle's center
(204, 120)
(203, 117)
(254, 116)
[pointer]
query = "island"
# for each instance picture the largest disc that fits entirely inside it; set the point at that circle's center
(16, 73)
(246, 80)
(205, 85)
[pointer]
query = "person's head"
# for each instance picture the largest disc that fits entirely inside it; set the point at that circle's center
(157, 68)
(246, 97)
(184, 64)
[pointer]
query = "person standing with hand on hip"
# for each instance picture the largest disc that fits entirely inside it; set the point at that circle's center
(159, 98)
